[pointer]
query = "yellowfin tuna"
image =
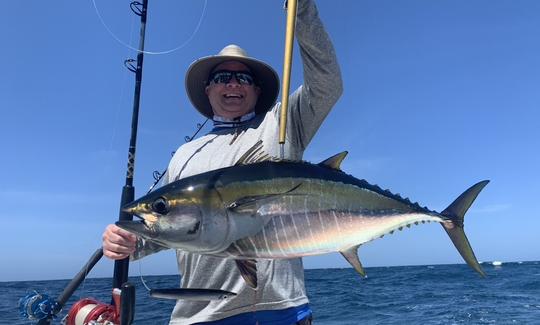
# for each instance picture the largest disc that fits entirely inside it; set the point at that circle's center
(282, 209)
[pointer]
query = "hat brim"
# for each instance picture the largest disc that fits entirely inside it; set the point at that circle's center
(198, 72)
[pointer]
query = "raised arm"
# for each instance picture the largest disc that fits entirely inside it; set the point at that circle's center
(311, 102)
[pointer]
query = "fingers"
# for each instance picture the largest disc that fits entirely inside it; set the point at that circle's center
(118, 243)
(121, 232)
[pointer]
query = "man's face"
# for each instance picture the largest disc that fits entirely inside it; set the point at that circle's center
(232, 99)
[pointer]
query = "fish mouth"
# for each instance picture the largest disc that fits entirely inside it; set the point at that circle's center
(140, 211)
(137, 227)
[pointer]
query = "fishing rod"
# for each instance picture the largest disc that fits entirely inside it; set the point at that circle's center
(44, 309)
(121, 267)
(290, 5)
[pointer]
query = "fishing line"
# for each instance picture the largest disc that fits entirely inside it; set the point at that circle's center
(141, 276)
(157, 175)
(82, 287)
(151, 52)
(122, 90)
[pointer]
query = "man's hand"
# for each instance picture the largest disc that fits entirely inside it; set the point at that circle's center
(118, 243)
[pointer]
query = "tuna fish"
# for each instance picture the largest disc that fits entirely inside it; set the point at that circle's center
(274, 209)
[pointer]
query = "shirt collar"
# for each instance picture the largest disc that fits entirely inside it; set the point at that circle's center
(223, 122)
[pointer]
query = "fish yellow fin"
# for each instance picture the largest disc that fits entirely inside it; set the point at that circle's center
(334, 162)
(351, 255)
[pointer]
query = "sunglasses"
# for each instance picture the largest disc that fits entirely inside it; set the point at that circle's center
(225, 76)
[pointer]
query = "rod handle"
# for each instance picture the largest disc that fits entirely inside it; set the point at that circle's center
(289, 38)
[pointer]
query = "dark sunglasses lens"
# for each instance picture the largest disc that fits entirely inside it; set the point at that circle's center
(244, 78)
(222, 77)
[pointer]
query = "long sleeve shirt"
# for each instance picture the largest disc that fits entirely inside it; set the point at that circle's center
(280, 281)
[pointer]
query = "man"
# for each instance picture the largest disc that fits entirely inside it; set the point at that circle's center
(238, 92)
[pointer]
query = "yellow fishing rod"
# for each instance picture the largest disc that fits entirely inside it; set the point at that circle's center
(287, 63)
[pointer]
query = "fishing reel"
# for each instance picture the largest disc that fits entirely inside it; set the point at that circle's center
(91, 311)
(36, 306)
(42, 308)
(87, 311)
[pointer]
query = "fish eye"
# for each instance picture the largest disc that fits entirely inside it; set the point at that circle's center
(160, 205)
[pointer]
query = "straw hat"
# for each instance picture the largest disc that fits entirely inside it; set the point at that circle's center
(197, 76)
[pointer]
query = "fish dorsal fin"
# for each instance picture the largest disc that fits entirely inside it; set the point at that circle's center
(334, 162)
(254, 154)
(248, 270)
(351, 255)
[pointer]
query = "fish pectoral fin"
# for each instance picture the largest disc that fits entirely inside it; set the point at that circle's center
(351, 255)
(250, 204)
(334, 162)
(248, 270)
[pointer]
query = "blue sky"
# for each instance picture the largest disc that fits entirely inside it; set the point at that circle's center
(438, 95)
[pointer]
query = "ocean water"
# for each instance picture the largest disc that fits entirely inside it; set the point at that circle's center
(439, 294)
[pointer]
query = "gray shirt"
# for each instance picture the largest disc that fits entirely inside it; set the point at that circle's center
(281, 282)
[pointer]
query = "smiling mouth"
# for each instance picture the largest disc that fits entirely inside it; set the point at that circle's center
(233, 96)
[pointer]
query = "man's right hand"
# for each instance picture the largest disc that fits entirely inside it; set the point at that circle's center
(118, 243)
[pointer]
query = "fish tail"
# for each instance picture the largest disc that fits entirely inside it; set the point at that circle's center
(456, 212)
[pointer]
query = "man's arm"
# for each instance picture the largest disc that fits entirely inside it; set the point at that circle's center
(311, 102)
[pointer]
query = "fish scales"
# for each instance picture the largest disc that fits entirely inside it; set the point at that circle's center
(332, 195)
(264, 178)
(312, 207)
(323, 238)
